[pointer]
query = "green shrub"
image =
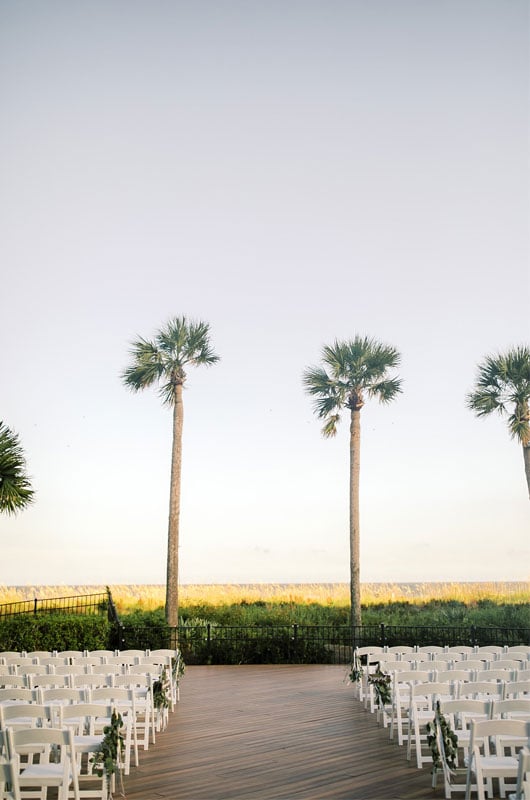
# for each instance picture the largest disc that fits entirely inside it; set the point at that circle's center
(54, 632)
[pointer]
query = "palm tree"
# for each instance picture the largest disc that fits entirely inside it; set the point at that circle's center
(503, 385)
(180, 344)
(351, 371)
(15, 487)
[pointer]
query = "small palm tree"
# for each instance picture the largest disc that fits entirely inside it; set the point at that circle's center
(15, 487)
(179, 345)
(503, 386)
(352, 371)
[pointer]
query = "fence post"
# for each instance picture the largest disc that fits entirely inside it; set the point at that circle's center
(473, 636)
(35, 601)
(383, 636)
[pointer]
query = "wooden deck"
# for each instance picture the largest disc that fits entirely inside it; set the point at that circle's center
(274, 733)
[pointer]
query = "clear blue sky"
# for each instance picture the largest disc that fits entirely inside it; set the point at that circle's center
(290, 172)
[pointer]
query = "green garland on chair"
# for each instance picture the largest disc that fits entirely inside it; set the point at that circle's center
(449, 739)
(381, 681)
(356, 670)
(106, 761)
(161, 691)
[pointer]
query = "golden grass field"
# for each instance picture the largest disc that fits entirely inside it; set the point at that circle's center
(151, 596)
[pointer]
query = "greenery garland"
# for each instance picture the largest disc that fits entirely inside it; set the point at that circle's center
(106, 761)
(356, 669)
(381, 681)
(162, 691)
(449, 740)
(177, 668)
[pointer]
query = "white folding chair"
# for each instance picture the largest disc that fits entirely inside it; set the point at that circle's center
(9, 785)
(423, 697)
(401, 683)
(87, 721)
(123, 701)
(56, 765)
(142, 686)
(486, 753)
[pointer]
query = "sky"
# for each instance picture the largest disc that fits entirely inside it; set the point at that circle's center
(291, 173)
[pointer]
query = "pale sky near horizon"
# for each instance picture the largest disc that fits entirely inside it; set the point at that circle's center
(290, 172)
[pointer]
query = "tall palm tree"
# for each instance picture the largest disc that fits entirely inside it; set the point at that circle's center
(15, 487)
(503, 386)
(180, 344)
(352, 371)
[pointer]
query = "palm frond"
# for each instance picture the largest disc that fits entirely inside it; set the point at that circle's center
(386, 390)
(330, 427)
(15, 487)
(503, 385)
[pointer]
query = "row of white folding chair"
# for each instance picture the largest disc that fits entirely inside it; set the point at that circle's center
(62, 710)
(484, 764)
(141, 684)
(85, 722)
(424, 696)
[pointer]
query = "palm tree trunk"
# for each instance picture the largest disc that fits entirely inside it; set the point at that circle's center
(526, 456)
(355, 463)
(172, 585)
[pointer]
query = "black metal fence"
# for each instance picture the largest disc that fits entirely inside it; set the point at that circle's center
(309, 644)
(77, 604)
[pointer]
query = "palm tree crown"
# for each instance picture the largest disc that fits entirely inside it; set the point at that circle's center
(180, 344)
(15, 488)
(351, 371)
(503, 385)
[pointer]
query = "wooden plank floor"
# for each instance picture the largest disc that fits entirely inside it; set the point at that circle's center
(274, 733)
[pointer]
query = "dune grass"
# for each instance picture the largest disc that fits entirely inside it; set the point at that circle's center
(482, 604)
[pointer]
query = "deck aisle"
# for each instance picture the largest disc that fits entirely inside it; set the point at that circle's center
(273, 733)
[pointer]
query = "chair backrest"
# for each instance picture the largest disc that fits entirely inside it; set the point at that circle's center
(82, 716)
(495, 674)
(399, 648)
(13, 680)
(70, 653)
(18, 694)
(511, 709)
(430, 691)
(9, 777)
(28, 715)
(134, 653)
(518, 688)
(102, 653)
(508, 663)
(462, 711)
(39, 654)
(92, 681)
(430, 649)
(484, 731)
(47, 681)
(479, 689)
(61, 696)
(490, 648)
(444, 675)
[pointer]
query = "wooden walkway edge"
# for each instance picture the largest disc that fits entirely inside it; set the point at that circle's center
(274, 733)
